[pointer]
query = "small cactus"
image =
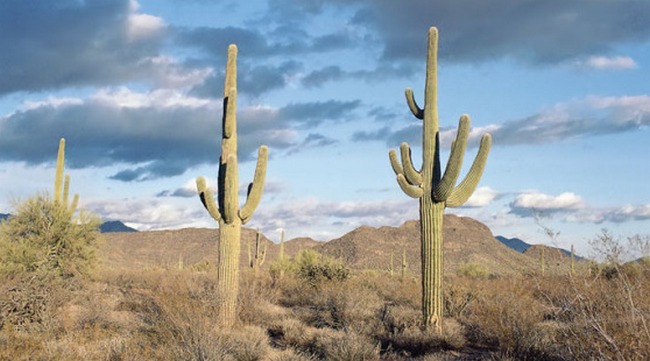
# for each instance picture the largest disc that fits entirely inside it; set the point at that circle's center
(227, 211)
(61, 187)
(391, 269)
(435, 190)
(404, 264)
(256, 260)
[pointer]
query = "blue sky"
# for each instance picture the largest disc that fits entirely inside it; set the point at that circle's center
(135, 88)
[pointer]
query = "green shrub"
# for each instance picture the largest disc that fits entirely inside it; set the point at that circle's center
(44, 238)
(315, 268)
(472, 270)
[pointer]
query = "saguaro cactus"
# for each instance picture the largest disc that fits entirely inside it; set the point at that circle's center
(61, 187)
(256, 260)
(434, 189)
(227, 212)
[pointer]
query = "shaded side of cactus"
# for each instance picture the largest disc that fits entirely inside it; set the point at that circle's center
(61, 186)
(434, 189)
(226, 210)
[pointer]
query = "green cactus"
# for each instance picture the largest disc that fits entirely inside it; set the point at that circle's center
(227, 212)
(434, 189)
(61, 187)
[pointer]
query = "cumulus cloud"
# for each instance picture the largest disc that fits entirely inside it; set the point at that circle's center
(537, 203)
(53, 45)
(482, 196)
(154, 134)
(150, 215)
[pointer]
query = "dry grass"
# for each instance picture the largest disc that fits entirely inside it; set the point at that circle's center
(169, 315)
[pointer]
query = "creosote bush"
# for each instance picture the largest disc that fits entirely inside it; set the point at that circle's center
(43, 238)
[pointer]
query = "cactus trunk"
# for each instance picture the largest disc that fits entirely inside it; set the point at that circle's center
(431, 216)
(228, 272)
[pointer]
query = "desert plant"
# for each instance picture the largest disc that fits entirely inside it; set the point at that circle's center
(40, 238)
(315, 268)
(405, 264)
(435, 190)
(61, 187)
(255, 260)
(228, 213)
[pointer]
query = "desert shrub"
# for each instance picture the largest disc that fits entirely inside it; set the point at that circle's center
(472, 270)
(347, 346)
(401, 332)
(43, 238)
(315, 268)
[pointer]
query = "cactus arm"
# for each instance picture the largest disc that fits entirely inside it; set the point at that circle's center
(412, 175)
(465, 189)
(410, 190)
(394, 162)
(207, 198)
(58, 177)
(73, 205)
(445, 187)
(410, 100)
(256, 187)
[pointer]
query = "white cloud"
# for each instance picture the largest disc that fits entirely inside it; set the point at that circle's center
(482, 197)
(142, 26)
(608, 63)
(528, 203)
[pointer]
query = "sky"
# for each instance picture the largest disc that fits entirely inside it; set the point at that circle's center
(135, 88)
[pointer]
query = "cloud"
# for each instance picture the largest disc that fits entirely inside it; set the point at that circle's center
(482, 196)
(528, 31)
(153, 214)
(154, 134)
(304, 216)
(540, 204)
(53, 45)
(590, 116)
(608, 63)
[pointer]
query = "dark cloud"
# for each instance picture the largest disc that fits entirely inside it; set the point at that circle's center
(253, 81)
(530, 31)
(54, 44)
(159, 134)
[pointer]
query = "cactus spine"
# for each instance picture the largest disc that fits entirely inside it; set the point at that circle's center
(227, 211)
(61, 187)
(434, 189)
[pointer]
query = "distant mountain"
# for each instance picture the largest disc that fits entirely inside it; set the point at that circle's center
(4, 216)
(514, 243)
(115, 226)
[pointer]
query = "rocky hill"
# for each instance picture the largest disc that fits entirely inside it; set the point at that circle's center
(467, 241)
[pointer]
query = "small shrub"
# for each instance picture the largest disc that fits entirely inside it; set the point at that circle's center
(472, 270)
(314, 268)
(43, 238)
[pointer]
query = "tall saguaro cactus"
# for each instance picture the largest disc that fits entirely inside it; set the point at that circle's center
(434, 189)
(227, 211)
(61, 186)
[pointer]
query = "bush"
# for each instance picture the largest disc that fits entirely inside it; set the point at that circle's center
(315, 268)
(43, 238)
(472, 270)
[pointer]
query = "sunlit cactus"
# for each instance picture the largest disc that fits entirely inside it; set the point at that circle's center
(226, 210)
(256, 260)
(61, 186)
(436, 190)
